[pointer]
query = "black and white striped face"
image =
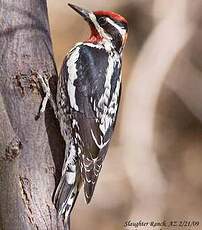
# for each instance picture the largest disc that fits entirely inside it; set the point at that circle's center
(113, 27)
(105, 25)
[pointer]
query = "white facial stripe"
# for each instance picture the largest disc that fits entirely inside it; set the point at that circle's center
(121, 30)
(98, 27)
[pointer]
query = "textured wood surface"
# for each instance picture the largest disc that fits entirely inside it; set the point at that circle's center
(30, 150)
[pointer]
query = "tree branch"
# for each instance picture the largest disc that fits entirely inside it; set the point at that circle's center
(31, 152)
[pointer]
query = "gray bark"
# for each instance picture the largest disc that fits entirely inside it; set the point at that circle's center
(31, 151)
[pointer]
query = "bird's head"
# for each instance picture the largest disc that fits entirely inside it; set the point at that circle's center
(105, 26)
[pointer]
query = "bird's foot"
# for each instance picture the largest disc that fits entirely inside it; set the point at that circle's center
(43, 80)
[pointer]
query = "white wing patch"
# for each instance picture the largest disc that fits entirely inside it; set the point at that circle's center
(70, 157)
(110, 115)
(71, 177)
(109, 109)
(72, 71)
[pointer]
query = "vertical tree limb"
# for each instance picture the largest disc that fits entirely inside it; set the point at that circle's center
(29, 149)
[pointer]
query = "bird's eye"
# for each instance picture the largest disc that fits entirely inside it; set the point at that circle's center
(102, 21)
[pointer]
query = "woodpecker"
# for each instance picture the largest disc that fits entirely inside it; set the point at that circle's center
(88, 95)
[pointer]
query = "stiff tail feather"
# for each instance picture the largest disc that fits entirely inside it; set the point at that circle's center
(67, 214)
(65, 196)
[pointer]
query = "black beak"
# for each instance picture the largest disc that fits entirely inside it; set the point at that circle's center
(84, 13)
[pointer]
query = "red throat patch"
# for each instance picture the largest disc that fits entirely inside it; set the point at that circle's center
(95, 36)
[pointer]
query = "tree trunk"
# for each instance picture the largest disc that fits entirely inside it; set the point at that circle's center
(30, 150)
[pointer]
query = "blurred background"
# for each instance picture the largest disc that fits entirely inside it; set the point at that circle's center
(154, 165)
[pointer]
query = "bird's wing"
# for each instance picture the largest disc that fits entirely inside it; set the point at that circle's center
(93, 87)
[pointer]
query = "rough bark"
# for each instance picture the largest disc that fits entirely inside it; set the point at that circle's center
(30, 150)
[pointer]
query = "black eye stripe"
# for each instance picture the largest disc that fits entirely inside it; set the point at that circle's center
(103, 22)
(111, 27)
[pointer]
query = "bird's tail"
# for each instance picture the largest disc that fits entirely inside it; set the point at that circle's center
(65, 196)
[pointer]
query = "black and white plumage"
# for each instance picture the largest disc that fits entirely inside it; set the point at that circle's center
(88, 98)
